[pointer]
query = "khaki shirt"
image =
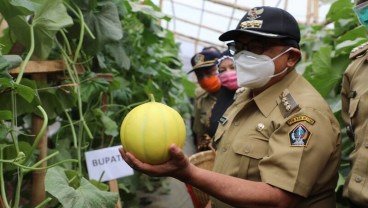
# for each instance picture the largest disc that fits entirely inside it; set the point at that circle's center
(287, 137)
(354, 111)
(204, 103)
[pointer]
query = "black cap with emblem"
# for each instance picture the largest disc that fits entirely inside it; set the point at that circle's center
(270, 22)
(204, 59)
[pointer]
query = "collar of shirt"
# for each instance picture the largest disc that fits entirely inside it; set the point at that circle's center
(267, 100)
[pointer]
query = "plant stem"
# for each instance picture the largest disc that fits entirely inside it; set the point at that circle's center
(42, 204)
(81, 35)
(19, 186)
(73, 129)
(79, 157)
(44, 168)
(152, 98)
(28, 57)
(40, 134)
(2, 182)
(14, 121)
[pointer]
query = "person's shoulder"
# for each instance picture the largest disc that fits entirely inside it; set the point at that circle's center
(358, 51)
(199, 92)
(310, 105)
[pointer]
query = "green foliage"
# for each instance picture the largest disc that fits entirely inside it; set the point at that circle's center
(115, 53)
(48, 17)
(83, 194)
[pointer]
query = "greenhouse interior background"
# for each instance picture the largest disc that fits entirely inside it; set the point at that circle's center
(199, 23)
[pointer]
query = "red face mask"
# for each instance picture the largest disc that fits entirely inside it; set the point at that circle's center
(210, 84)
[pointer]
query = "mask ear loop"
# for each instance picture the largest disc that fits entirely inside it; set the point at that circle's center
(281, 72)
(289, 49)
(286, 68)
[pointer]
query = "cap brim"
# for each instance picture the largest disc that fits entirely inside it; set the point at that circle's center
(234, 34)
(201, 67)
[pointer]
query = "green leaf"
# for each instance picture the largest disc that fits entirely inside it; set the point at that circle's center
(49, 17)
(66, 98)
(3, 133)
(25, 92)
(103, 21)
(7, 41)
(351, 39)
(29, 5)
(86, 195)
(320, 73)
(6, 115)
(63, 146)
(148, 10)
(13, 60)
(48, 20)
(99, 185)
(189, 86)
(8, 10)
(10, 153)
(341, 9)
(93, 87)
(109, 125)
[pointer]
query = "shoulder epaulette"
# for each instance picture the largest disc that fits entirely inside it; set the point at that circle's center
(288, 103)
(359, 50)
(238, 92)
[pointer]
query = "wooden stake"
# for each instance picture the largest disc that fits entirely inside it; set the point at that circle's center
(309, 10)
(38, 193)
(315, 11)
(113, 184)
(286, 5)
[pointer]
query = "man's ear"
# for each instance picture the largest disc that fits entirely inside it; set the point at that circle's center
(294, 57)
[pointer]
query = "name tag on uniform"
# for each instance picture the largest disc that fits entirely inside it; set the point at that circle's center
(223, 120)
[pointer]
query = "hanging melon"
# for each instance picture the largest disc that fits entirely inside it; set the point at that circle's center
(149, 129)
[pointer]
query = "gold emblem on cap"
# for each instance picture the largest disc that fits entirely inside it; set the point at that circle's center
(254, 13)
(251, 24)
(198, 58)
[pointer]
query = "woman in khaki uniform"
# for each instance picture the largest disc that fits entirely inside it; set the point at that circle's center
(278, 144)
(354, 98)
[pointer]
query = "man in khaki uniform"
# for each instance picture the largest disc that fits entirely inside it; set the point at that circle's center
(278, 144)
(204, 67)
(354, 96)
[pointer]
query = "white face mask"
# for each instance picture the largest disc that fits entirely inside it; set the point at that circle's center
(253, 70)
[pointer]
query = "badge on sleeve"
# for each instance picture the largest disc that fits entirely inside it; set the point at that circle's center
(299, 136)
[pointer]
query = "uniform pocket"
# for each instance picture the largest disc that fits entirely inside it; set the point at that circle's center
(250, 151)
(253, 148)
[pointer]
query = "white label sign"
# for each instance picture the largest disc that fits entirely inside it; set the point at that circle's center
(107, 164)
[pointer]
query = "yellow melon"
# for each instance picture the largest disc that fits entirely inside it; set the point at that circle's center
(148, 130)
